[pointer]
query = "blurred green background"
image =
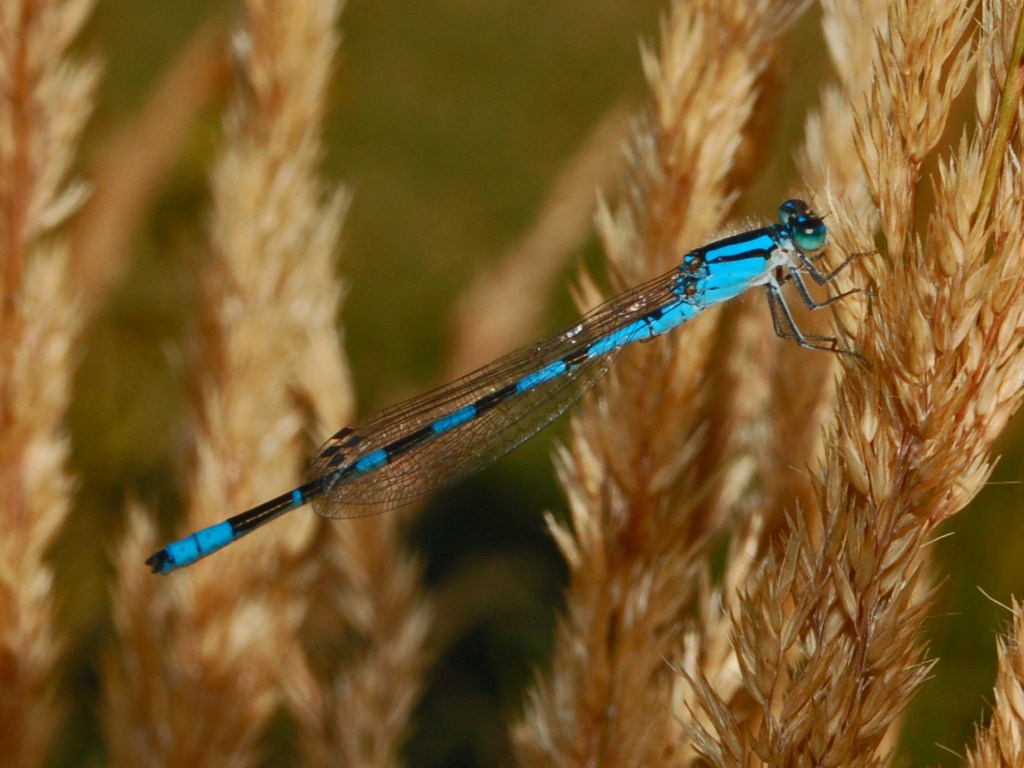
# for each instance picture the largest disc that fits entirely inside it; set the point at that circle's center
(449, 121)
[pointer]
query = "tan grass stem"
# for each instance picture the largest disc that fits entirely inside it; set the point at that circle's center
(211, 643)
(636, 543)
(828, 636)
(503, 308)
(46, 96)
(136, 158)
(1009, 111)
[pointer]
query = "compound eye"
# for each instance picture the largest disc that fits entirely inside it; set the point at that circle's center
(810, 235)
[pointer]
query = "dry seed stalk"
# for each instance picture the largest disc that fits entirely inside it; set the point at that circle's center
(636, 548)
(220, 637)
(828, 639)
(45, 100)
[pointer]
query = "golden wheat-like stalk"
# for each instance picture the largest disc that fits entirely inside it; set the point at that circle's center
(209, 645)
(127, 171)
(45, 99)
(828, 635)
(637, 545)
(358, 712)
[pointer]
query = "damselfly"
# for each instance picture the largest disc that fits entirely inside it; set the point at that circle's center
(413, 448)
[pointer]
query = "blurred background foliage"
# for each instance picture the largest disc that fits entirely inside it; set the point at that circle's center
(450, 122)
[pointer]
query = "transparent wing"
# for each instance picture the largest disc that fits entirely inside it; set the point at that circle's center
(443, 458)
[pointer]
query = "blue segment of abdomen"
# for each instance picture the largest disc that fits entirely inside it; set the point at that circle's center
(199, 544)
(454, 419)
(535, 379)
(634, 331)
(372, 460)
